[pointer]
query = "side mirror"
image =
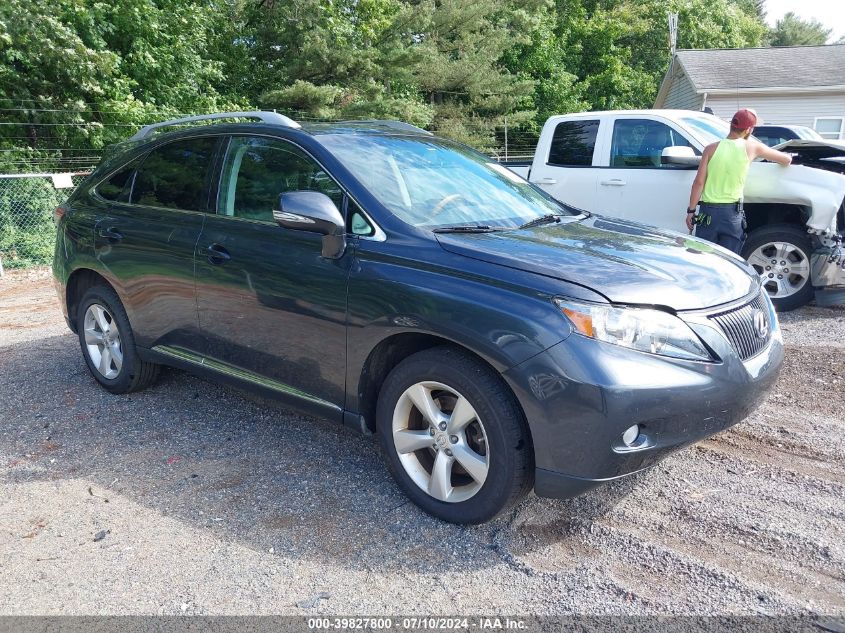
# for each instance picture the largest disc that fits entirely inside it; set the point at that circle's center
(680, 155)
(314, 212)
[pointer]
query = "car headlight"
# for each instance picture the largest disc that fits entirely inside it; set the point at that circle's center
(651, 331)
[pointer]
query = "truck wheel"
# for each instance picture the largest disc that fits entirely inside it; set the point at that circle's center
(454, 436)
(780, 254)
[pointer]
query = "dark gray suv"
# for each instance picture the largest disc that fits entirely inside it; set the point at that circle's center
(372, 274)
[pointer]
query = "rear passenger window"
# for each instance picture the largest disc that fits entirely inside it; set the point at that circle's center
(118, 186)
(174, 176)
(573, 143)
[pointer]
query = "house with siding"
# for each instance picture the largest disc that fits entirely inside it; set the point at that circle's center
(797, 85)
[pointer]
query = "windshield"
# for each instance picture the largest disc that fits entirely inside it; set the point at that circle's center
(433, 183)
(808, 133)
(708, 129)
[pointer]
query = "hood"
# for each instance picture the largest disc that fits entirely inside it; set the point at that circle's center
(625, 262)
(813, 149)
(826, 155)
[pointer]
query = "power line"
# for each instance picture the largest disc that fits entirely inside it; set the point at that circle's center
(51, 149)
(117, 112)
(94, 123)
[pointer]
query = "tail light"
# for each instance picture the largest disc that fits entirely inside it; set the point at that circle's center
(58, 214)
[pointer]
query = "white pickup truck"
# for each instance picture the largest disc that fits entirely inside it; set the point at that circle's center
(639, 165)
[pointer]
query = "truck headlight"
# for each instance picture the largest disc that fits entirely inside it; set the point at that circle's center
(651, 331)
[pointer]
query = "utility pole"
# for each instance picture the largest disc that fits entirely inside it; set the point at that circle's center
(506, 138)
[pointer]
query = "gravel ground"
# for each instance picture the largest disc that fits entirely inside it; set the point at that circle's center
(194, 498)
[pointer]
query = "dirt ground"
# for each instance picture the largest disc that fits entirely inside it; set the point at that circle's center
(191, 498)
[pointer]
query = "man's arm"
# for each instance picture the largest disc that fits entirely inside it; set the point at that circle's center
(761, 150)
(698, 183)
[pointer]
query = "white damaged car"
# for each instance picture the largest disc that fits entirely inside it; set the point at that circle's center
(639, 165)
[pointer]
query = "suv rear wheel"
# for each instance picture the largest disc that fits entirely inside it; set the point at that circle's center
(780, 254)
(108, 344)
(454, 437)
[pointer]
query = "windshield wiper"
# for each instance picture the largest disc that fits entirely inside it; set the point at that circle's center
(545, 219)
(468, 228)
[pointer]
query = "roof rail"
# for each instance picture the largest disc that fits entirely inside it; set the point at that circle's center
(266, 117)
(399, 126)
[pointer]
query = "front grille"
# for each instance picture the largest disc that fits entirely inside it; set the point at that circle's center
(738, 325)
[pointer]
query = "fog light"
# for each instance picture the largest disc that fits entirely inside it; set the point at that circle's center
(629, 437)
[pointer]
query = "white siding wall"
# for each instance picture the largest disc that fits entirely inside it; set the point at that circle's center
(794, 109)
(682, 95)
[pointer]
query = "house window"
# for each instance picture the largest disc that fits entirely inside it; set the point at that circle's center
(832, 127)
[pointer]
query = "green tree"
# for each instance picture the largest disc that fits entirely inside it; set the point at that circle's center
(81, 74)
(432, 63)
(756, 8)
(613, 53)
(791, 30)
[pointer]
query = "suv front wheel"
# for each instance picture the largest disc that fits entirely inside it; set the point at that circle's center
(108, 344)
(454, 436)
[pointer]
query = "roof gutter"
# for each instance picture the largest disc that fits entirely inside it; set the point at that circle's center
(772, 90)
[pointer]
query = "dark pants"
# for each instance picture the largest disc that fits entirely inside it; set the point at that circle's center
(725, 227)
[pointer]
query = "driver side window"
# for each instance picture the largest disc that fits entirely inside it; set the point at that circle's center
(640, 143)
(258, 169)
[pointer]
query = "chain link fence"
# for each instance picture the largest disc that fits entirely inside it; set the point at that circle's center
(27, 202)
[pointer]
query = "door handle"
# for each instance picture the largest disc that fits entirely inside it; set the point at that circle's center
(547, 181)
(110, 234)
(217, 254)
(613, 182)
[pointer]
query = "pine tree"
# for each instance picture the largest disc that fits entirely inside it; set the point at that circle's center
(791, 30)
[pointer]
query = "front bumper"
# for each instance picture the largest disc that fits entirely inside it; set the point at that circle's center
(827, 266)
(827, 269)
(580, 395)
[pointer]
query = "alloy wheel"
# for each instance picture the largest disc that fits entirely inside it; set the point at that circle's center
(102, 341)
(783, 267)
(440, 441)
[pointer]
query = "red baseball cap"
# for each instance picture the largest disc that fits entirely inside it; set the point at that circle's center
(744, 119)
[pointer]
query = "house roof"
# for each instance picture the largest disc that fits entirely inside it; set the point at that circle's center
(795, 67)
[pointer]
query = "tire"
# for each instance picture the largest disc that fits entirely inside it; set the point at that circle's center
(483, 460)
(108, 344)
(780, 254)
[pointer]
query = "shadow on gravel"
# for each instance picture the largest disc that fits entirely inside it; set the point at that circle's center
(249, 471)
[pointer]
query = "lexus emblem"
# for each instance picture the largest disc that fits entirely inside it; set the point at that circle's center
(761, 325)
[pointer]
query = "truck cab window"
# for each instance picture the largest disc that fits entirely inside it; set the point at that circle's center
(640, 143)
(573, 143)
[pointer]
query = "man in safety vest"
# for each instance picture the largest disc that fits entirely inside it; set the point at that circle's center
(720, 180)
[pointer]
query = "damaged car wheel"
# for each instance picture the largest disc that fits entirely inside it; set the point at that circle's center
(781, 256)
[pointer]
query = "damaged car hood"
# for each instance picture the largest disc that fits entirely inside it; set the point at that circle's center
(814, 149)
(813, 182)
